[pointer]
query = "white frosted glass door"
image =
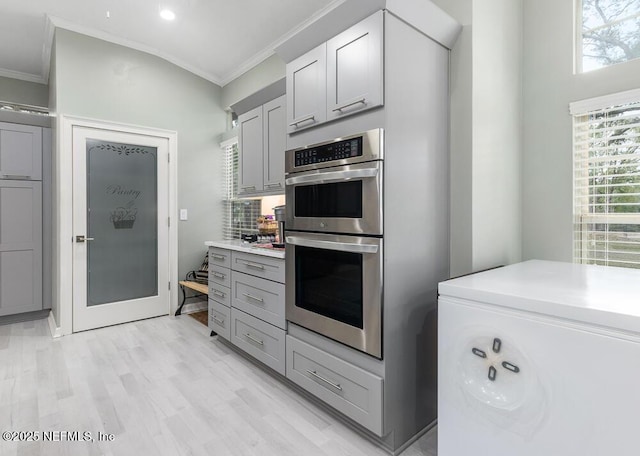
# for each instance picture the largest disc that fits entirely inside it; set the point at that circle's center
(121, 232)
(122, 220)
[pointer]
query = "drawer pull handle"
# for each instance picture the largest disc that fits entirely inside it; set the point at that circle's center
(215, 256)
(257, 341)
(16, 176)
(304, 119)
(328, 382)
(346, 105)
(249, 264)
(219, 275)
(249, 187)
(217, 320)
(219, 293)
(255, 298)
(278, 185)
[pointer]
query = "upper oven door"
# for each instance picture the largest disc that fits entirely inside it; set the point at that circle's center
(343, 199)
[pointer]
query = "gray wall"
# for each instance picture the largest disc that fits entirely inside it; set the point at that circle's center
(23, 92)
(486, 134)
(101, 80)
(260, 76)
(549, 86)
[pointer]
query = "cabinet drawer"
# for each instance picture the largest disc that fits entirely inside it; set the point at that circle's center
(221, 276)
(261, 298)
(261, 340)
(349, 389)
(259, 266)
(219, 319)
(220, 293)
(219, 257)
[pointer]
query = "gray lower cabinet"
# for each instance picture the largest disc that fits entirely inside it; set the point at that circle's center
(20, 246)
(261, 340)
(347, 388)
(219, 318)
(258, 297)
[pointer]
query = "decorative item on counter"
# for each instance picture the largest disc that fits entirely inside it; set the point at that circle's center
(267, 224)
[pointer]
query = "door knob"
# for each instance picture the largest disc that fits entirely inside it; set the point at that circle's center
(83, 239)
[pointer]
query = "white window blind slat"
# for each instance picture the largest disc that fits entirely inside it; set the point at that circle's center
(607, 181)
(238, 215)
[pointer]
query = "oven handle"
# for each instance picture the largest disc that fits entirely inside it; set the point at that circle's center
(330, 245)
(332, 176)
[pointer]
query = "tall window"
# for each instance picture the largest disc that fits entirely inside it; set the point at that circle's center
(609, 32)
(607, 180)
(239, 215)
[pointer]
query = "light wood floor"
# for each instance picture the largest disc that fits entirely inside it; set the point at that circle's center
(162, 387)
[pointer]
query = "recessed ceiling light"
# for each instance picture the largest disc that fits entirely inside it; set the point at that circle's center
(167, 15)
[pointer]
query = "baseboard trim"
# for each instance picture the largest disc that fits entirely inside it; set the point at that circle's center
(53, 327)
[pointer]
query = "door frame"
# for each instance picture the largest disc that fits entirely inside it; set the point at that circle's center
(63, 215)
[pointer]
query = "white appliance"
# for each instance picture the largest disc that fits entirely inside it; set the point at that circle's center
(540, 358)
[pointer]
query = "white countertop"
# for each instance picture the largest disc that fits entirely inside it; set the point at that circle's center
(240, 246)
(598, 295)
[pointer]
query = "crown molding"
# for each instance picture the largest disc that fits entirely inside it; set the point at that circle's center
(101, 35)
(22, 76)
(270, 49)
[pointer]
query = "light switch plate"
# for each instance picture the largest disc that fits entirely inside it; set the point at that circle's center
(183, 214)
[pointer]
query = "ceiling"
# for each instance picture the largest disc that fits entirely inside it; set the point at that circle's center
(216, 39)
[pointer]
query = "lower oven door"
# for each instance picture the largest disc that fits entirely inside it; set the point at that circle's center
(334, 287)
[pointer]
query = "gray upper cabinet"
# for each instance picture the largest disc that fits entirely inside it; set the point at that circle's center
(20, 152)
(338, 78)
(250, 143)
(354, 68)
(20, 246)
(262, 141)
(306, 90)
(275, 137)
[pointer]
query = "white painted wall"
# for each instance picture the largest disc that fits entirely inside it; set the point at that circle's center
(101, 80)
(549, 86)
(486, 134)
(497, 133)
(23, 92)
(258, 77)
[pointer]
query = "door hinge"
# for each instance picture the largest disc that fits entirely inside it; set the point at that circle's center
(168, 158)
(168, 221)
(169, 285)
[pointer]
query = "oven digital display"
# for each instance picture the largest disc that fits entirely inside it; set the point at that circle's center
(338, 150)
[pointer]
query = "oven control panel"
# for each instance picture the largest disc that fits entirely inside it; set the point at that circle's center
(338, 150)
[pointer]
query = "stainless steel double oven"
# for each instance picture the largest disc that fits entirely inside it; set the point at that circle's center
(334, 239)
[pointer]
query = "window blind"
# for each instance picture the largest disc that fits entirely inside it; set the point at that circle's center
(238, 215)
(607, 186)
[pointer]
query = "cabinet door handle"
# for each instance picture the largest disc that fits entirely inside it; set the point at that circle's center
(255, 298)
(218, 275)
(351, 103)
(219, 293)
(328, 382)
(304, 119)
(215, 256)
(16, 176)
(249, 264)
(257, 341)
(217, 320)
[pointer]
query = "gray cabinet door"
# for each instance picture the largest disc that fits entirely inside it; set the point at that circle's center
(307, 89)
(250, 143)
(275, 137)
(20, 246)
(20, 152)
(354, 68)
